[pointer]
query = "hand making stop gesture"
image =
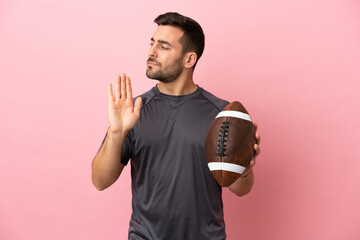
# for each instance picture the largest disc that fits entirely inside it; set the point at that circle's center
(123, 114)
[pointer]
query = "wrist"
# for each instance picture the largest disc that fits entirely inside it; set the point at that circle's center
(116, 135)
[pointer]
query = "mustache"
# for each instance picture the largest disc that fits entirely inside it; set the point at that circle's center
(153, 60)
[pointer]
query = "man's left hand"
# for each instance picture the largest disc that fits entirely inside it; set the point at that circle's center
(256, 153)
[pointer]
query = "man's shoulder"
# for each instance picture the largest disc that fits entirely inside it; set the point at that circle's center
(146, 96)
(216, 101)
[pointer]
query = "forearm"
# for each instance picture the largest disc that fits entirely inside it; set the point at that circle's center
(106, 165)
(243, 185)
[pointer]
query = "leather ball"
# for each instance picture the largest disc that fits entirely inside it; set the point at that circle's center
(230, 143)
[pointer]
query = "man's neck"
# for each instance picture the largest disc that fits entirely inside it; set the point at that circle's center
(182, 86)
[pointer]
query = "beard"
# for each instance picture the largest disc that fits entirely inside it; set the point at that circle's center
(166, 74)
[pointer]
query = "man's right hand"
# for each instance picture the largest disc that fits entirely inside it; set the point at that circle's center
(123, 114)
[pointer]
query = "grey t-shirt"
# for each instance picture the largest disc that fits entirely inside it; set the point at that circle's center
(174, 195)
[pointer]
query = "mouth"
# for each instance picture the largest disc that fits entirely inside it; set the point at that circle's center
(152, 62)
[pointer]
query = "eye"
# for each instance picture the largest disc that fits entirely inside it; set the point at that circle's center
(163, 47)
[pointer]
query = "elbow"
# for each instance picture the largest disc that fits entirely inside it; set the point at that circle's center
(102, 182)
(103, 179)
(98, 184)
(99, 187)
(97, 180)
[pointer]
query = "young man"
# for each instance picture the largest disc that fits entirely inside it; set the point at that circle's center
(174, 193)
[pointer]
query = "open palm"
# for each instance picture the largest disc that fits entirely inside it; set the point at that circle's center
(123, 114)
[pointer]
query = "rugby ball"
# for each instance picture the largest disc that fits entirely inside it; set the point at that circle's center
(230, 143)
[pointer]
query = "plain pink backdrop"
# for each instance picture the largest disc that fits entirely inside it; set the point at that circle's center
(295, 65)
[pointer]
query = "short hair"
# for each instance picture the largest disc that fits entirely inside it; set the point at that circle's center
(193, 38)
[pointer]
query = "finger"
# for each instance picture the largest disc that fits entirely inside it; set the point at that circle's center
(252, 162)
(137, 106)
(123, 86)
(256, 126)
(110, 93)
(128, 89)
(117, 88)
(257, 136)
(257, 150)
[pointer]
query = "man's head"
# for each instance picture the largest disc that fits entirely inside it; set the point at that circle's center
(176, 45)
(193, 38)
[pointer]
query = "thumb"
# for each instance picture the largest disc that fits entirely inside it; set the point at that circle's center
(137, 105)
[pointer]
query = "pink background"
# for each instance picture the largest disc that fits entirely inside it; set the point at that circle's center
(295, 65)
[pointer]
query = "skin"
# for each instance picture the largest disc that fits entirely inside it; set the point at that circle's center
(175, 70)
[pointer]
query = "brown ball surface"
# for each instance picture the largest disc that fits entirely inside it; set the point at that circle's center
(230, 139)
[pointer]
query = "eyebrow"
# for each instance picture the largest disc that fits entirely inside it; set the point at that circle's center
(162, 41)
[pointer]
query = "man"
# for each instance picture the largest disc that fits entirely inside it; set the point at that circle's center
(174, 193)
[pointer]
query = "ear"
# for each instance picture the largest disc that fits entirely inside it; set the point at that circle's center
(190, 59)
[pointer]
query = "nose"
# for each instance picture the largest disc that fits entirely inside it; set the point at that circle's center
(152, 51)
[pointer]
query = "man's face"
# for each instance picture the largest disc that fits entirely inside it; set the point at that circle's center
(165, 58)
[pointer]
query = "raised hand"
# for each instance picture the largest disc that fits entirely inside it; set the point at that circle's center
(123, 114)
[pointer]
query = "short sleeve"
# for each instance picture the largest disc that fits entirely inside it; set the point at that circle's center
(126, 149)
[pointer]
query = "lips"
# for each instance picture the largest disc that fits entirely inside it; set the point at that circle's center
(152, 62)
